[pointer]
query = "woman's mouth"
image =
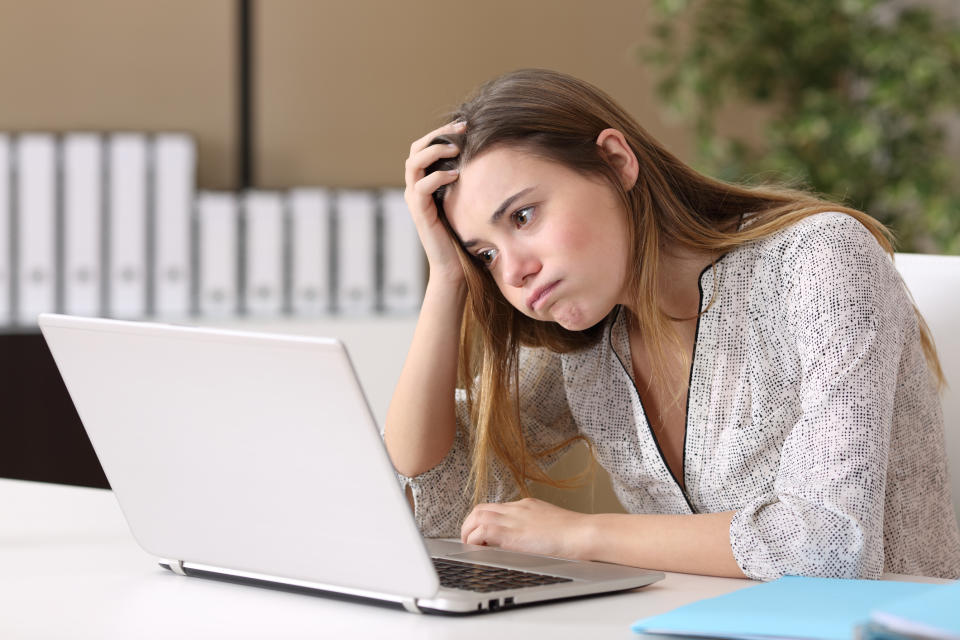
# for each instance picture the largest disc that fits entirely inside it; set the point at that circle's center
(540, 295)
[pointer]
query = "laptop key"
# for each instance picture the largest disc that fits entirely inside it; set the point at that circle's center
(484, 579)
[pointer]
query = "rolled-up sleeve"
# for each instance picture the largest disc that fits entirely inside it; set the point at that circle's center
(847, 309)
(443, 495)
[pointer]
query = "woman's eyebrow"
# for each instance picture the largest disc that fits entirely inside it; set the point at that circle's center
(501, 210)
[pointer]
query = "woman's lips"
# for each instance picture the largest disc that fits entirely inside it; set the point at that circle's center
(540, 295)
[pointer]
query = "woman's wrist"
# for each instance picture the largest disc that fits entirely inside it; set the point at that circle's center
(585, 534)
(446, 285)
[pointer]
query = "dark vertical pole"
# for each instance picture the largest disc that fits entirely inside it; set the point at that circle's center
(245, 137)
(245, 93)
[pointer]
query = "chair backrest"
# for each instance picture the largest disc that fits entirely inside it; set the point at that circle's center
(934, 282)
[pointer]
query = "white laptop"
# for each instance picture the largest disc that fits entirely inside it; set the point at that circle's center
(255, 458)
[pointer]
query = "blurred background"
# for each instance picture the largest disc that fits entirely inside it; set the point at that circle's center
(856, 99)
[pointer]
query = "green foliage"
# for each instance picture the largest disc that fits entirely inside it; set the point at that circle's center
(858, 92)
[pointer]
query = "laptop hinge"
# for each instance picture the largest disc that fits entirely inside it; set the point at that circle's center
(177, 567)
(410, 604)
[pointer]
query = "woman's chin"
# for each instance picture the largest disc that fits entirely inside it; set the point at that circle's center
(570, 318)
(576, 320)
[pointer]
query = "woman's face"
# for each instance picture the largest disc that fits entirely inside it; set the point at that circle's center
(555, 241)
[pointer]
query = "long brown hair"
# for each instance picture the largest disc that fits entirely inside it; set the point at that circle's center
(558, 117)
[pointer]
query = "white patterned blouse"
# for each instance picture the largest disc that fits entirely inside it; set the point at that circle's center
(811, 414)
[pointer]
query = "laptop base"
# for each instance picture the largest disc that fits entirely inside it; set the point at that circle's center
(492, 605)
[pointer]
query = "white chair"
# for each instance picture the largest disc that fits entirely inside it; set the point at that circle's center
(934, 282)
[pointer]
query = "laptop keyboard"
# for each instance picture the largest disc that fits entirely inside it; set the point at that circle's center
(484, 578)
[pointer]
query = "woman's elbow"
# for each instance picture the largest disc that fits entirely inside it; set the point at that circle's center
(833, 547)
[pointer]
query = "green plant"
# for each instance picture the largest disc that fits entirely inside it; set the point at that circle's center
(858, 92)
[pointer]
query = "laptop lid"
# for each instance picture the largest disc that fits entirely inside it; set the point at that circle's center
(209, 438)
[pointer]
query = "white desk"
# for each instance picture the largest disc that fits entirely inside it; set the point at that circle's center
(69, 568)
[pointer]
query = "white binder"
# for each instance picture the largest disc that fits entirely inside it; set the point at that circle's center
(217, 214)
(6, 273)
(175, 168)
(82, 223)
(127, 207)
(310, 246)
(36, 218)
(404, 273)
(264, 252)
(356, 252)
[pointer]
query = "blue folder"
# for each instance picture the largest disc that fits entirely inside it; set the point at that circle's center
(791, 607)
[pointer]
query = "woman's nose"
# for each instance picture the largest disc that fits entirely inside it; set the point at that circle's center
(519, 265)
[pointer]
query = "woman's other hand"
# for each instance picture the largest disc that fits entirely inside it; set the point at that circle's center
(437, 243)
(529, 525)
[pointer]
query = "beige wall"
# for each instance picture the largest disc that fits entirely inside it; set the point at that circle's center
(103, 65)
(342, 87)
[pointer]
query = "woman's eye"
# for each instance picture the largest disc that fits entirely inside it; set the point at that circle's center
(522, 217)
(486, 256)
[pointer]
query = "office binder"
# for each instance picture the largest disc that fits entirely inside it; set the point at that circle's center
(175, 168)
(82, 223)
(404, 274)
(36, 187)
(127, 213)
(6, 243)
(264, 252)
(356, 252)
(217, 217)
(310, 249)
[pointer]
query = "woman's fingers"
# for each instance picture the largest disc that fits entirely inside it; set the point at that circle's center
(422, 155)
(422, 143)
(441, 252)
(426, 186)
(527, 525)
(417, 163)
(478, 526)
(478, 536)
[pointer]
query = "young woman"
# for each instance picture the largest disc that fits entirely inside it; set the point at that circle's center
(745, 362)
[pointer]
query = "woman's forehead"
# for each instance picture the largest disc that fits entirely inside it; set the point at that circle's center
(493, 176)
(502, 166)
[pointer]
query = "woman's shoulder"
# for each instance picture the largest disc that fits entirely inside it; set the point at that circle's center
(825, 227)
(831, 238)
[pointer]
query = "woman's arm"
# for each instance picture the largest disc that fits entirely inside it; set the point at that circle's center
(421, 421)
(698, 543)
(846, 313)
(427, 426)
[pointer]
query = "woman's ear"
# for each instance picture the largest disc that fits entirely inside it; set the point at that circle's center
(620, 155)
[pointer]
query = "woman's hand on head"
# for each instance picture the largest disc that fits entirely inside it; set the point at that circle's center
(437, 243)
(529, 525)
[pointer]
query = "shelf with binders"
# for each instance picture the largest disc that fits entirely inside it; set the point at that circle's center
(112, 225)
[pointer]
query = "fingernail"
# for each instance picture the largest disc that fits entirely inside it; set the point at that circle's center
(461, 124)
(453, 172)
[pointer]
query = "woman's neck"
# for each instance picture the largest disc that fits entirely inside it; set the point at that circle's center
(679, 281)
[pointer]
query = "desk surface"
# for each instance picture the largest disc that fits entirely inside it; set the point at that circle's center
(69, 568)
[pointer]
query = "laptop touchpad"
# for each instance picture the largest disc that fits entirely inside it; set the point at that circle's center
(508, 558)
